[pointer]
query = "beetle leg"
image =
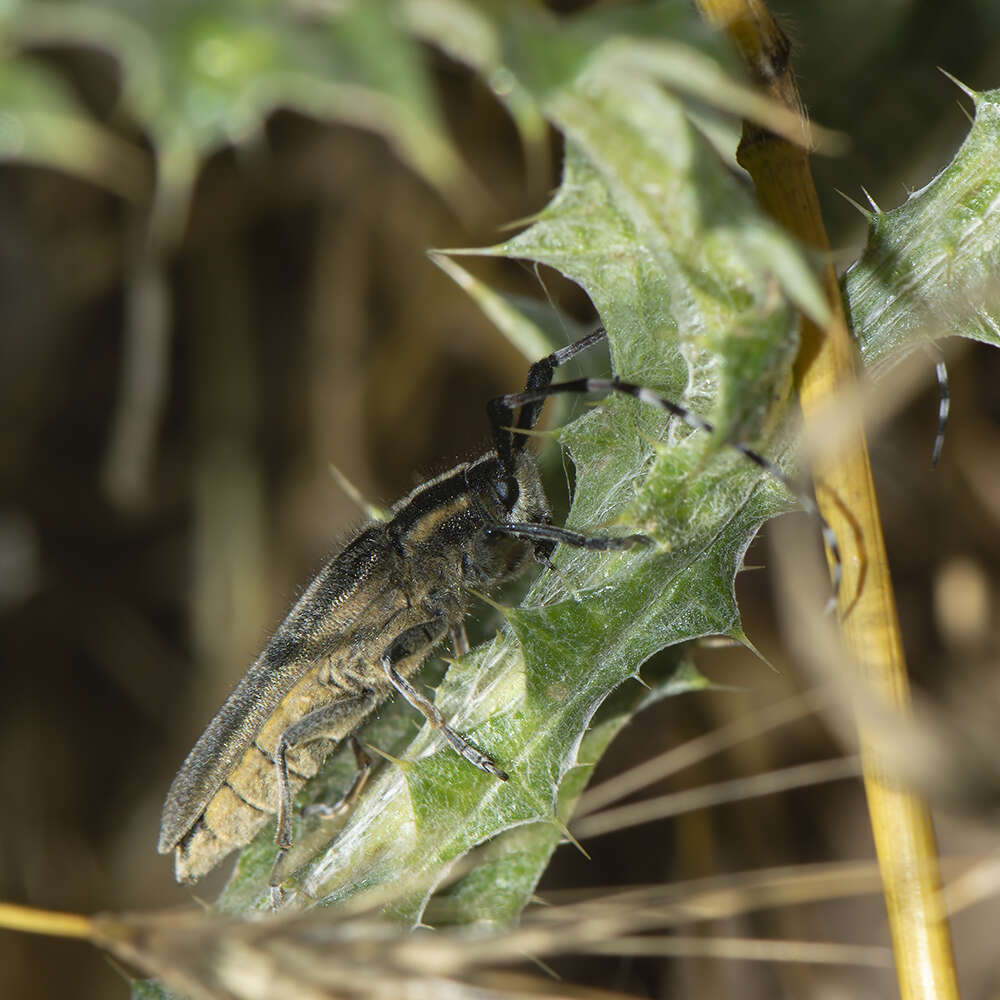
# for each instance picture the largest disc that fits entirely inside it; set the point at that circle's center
(553, 533)
(460, 639)
(347, 800)
(332, 722)
(413, 641)
(430, 712)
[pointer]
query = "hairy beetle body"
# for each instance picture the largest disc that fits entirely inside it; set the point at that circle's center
(384, 601)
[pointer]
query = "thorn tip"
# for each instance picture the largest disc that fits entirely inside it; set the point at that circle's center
(861, 208)
(872, 202)
(965, 88)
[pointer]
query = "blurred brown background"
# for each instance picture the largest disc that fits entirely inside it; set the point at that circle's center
(309, 327)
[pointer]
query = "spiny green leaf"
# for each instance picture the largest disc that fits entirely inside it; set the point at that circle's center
(643, 193)
(507, 869)
(930, 267)
(669, 248)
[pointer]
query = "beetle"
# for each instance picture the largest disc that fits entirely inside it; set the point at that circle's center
(370, 618)
(364, 624)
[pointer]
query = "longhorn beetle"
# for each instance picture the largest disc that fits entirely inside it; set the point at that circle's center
(371, 617)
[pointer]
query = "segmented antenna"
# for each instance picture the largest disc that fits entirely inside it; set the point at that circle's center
(944, 401)
(533, 397)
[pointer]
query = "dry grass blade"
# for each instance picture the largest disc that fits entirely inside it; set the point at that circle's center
(308, 958)
(694, 751)
(320, 955)
(781, 780)
(979, 883)
(722, 896)
(749, 949)
(323, 954)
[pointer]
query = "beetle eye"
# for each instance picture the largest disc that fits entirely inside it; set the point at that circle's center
(507, 491)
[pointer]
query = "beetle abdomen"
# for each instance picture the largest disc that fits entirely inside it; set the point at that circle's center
(248, 795)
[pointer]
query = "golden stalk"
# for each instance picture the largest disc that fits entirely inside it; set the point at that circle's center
(901, 822)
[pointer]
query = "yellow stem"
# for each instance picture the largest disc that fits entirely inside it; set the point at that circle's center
(15, 917)
(901, 823)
